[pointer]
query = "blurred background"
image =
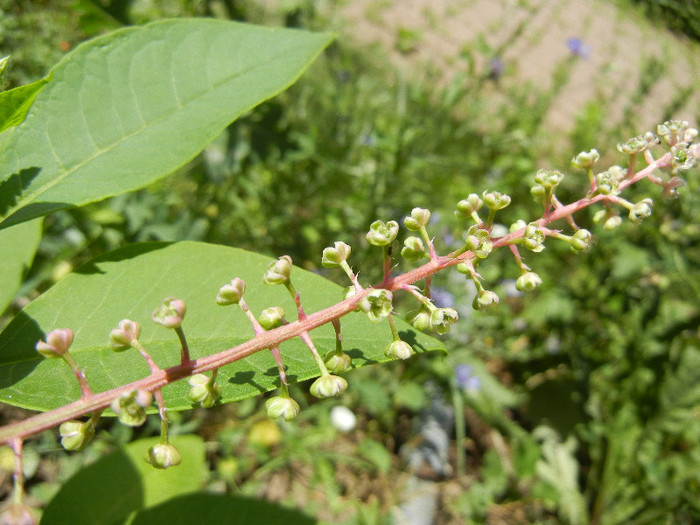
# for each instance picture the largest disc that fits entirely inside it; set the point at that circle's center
(578, 403)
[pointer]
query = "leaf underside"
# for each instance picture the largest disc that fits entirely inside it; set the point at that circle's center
(131, 282)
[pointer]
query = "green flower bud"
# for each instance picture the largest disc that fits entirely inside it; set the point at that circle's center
(485, 299)
(281, 406)
(122, 337)
(479, 241)
(163, 455)
(517, 225)
(608, 181)
(534, 238)
(377, 304)
(419, 219)
(672, 130)
(641, 210)
(612, 223)
(328, 386)
(75, 435)
(538, 192)
(271, 317)
(203, 392)
(585, 159)
(57, 343)
(171, 313)
(420, 319)
(495, 200)
(231, 293)
(549, 179)
(528, 282)
(399, 350)
(278, 271)
(130, 407)
(581, 240)
(338, 362)
(332, 257)
(469, 205)
(381, 234)
(442, 318)
(413, 248)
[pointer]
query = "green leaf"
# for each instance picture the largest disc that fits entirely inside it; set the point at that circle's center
(125, 109)
(18, 246)
(219, 508)
(122, 482)
(131, 282)
(15, 103)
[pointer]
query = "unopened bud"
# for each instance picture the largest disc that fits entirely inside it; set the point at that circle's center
(271, 317)
(413, 248)
(338, 362)
(420, 319)
(641, 210)
(278, 271)
(399, 350)
(57, 343)
(171, 313)
(528, 282)
(534, 238)
(131, 407)
(442, 318)
(549, 178)
(328, 386)
(581, 240)
(333, 256)
(585, 159)
(281, 406)
(122, 337)
(163, 455)
(203, 391)
(485, 299)
(231, 293)
(75, 435)
(419, 219)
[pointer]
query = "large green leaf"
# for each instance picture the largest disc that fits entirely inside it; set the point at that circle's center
(18, 246)
(128, 108)
(131, 282)
(122, 482)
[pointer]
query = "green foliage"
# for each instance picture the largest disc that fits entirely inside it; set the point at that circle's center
(193, 77)
(131, 283)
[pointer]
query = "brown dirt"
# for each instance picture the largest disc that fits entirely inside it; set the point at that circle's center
(533, 36)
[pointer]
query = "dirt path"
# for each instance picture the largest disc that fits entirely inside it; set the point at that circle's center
(530, 37)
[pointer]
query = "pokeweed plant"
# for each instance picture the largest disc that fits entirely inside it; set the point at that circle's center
(130, 107)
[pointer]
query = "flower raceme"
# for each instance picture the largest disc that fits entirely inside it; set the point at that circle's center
(678, 154)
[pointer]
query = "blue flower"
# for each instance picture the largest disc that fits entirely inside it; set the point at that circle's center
(466, 380)
(578, 47)
(442, 298)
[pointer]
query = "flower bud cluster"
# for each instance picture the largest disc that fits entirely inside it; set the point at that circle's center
(203, 391)
(413, 249)
(123, 337)
(495, 200)
(377, 304)
(418, 220)
(478, 241)
(469, 206)
(131, 407)
(586, 159)
(333, 257)
(546, 182)
(608, 181)
(328, 385)
(641, 210)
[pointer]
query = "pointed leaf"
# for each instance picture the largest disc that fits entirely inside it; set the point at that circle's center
(131, 282)
(128, 108)
(15, 103)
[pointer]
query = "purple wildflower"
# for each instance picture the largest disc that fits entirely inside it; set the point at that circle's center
(578, 47)
(496, 68)
(466, 380)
